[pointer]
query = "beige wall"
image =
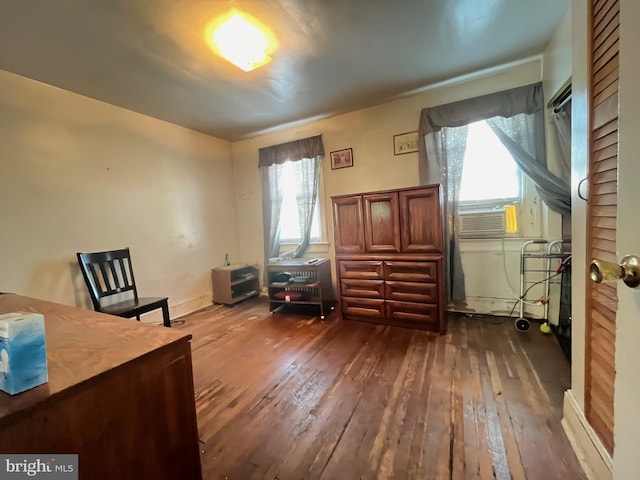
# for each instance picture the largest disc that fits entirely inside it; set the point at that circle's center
(81, 175)
(557, 57)
(370, 132)
(70, 159)
(579, 156)
(556, 74)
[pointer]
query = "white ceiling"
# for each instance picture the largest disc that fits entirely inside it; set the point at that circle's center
(333, 56)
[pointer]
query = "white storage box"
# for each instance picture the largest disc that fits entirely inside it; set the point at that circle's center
(23, 355)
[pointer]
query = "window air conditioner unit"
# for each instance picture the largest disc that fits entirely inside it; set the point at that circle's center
(489, 223)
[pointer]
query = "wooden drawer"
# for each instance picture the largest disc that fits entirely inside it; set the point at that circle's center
(351, 287)
(411, 292)
(410, 313)
(411, 271)
(363, 307)
(363, 270)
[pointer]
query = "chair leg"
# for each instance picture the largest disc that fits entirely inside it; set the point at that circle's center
(165, 314)
(138, 317)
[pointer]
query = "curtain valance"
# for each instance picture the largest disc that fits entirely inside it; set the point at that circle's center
(309, 147)
(527, 99)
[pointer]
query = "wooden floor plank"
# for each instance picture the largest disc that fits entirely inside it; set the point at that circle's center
(358, 453)
(290, 396)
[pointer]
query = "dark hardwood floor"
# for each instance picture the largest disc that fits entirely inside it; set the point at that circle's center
(292, 397)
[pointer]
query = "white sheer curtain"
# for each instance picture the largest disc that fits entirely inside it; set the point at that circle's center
(307, 177)
(271, 206)
(446, 149)
(562, 121)
(523, 136)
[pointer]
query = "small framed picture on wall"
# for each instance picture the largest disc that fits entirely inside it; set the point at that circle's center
(342, 158)
(405, 143)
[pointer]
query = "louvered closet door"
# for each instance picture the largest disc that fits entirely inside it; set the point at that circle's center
(602, 299)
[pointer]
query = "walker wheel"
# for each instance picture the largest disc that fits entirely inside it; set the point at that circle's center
(522, 325)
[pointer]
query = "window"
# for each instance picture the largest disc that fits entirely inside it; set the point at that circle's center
(517, 118)
(490, 176)
(290, 174)
(496, 200)
(291, 224)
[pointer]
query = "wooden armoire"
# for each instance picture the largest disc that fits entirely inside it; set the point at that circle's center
(388, 248)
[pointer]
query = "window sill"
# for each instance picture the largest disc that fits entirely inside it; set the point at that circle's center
(477, 245)
(314, 247)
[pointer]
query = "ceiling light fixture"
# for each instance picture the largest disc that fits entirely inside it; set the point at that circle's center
(242, 40)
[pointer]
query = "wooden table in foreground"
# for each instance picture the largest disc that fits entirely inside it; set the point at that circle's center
(120, 395)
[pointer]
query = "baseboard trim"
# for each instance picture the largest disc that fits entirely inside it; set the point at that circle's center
(178, 310)
(501, 307)
(593, 456)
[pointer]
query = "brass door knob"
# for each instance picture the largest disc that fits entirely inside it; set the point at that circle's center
(628, 271)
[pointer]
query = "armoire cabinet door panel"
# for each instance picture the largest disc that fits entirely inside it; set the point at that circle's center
(411, 271)
(420, 220)
(361, 269)
(348, 224)
(381, 222)
(350, 287)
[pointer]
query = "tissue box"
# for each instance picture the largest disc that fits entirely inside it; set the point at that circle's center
(23, 356)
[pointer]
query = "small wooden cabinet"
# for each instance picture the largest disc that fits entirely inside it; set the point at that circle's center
(301, 282)
(234, 283)
(389, 257)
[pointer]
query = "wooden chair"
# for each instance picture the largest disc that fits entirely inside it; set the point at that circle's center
(111, 273)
